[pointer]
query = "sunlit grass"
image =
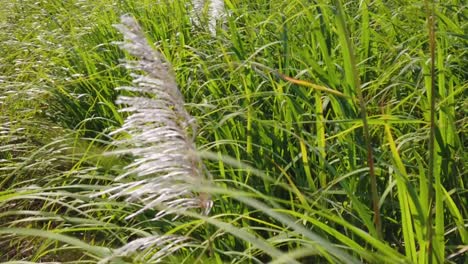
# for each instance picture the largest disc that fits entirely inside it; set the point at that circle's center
(290, 97)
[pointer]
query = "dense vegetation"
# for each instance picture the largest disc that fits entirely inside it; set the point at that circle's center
(334, 132)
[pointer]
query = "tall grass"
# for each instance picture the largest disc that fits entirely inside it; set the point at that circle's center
(334, 132)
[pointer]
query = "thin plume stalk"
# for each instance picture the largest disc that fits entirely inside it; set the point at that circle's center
(158, 132)
(435, 247)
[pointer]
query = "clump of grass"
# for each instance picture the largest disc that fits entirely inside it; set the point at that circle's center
(273, 94)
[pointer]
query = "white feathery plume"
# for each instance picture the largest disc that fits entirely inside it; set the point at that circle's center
(215, 13)
(151, 249)
(167, 165)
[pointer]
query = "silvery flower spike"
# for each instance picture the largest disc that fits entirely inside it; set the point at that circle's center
(159, 134)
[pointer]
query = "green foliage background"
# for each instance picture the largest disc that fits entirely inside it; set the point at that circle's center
(290, 161)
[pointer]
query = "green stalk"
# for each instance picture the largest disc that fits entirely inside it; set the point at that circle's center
(404, 199)
(321, 142)
(352, 77)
